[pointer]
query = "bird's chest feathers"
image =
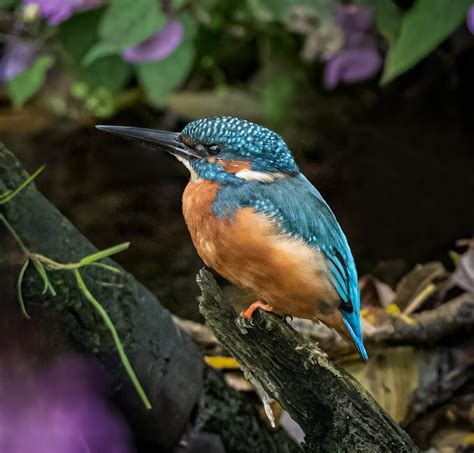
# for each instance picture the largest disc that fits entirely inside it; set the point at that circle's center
(248, 250)
(203, 225)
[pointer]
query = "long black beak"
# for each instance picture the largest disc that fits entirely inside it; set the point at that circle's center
(163, 140)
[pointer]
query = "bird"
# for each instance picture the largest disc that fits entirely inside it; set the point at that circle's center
(257, 221)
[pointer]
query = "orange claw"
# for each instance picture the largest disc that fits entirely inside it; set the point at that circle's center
(258, 304)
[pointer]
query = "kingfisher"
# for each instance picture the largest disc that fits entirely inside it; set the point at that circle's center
(256, 220)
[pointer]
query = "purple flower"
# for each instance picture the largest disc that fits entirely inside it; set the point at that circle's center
(351, 66)
(60, 409)
(358, 59)
(18, 55)
(57, 11)
(470, 19)
(354, 18)
(158, 46)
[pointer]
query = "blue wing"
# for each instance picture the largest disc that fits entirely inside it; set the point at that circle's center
(300, 210)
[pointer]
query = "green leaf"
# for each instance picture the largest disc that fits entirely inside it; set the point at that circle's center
(79, 38)
(109, 72)
(388, 17)
(423, 28)
(99, 50)
(159, 78)
(79, 33)
(125, 23)
(7, 3)
(26, 84)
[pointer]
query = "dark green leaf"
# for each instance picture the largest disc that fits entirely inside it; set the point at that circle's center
(423, 28)
(109, 72)
(79, 37)
(79, 33)
(26, 84)
(99, 50)
(388, 19)
(7, 3)
(125, 23)
(159, 78)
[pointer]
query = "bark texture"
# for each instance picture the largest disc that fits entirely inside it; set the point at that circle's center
(334, 411)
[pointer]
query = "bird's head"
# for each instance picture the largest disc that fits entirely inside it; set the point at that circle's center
(222, 149)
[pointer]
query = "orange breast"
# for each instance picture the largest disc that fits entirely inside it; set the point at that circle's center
(250, 252)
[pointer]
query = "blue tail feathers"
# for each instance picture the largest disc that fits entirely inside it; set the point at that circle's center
(352, 322)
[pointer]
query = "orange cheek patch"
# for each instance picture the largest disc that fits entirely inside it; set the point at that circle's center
(235, 166)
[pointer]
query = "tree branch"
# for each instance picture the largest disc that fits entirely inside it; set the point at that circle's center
(429, 326)
(333, 410)
(191, 403)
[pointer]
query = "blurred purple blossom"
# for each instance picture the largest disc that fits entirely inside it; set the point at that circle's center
(351, 66)
(57, 11)
(158, 46)
(359, 58)
(470, 19)
(60, 409)
(18, 55)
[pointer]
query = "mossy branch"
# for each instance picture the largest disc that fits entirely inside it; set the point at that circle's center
(40, 261)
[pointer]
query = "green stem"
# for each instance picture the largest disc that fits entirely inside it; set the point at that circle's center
(17, 238)
(10, 195)
(19, 284)
(118, 343)
(104, 254)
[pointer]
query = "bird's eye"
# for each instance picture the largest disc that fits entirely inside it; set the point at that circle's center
(213, 150)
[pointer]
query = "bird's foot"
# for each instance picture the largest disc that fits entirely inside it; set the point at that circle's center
(258, 304)
(244, 321)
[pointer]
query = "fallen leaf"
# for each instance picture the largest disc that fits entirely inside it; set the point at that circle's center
(464, 274)
(391, 376)
(220, 362)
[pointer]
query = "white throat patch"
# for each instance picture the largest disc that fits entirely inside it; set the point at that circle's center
(260, 176)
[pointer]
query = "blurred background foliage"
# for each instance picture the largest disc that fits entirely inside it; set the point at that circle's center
(97, 57)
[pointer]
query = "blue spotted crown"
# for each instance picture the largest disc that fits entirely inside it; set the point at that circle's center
(242, 140)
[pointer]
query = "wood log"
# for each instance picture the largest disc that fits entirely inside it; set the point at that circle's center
(334, 411)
